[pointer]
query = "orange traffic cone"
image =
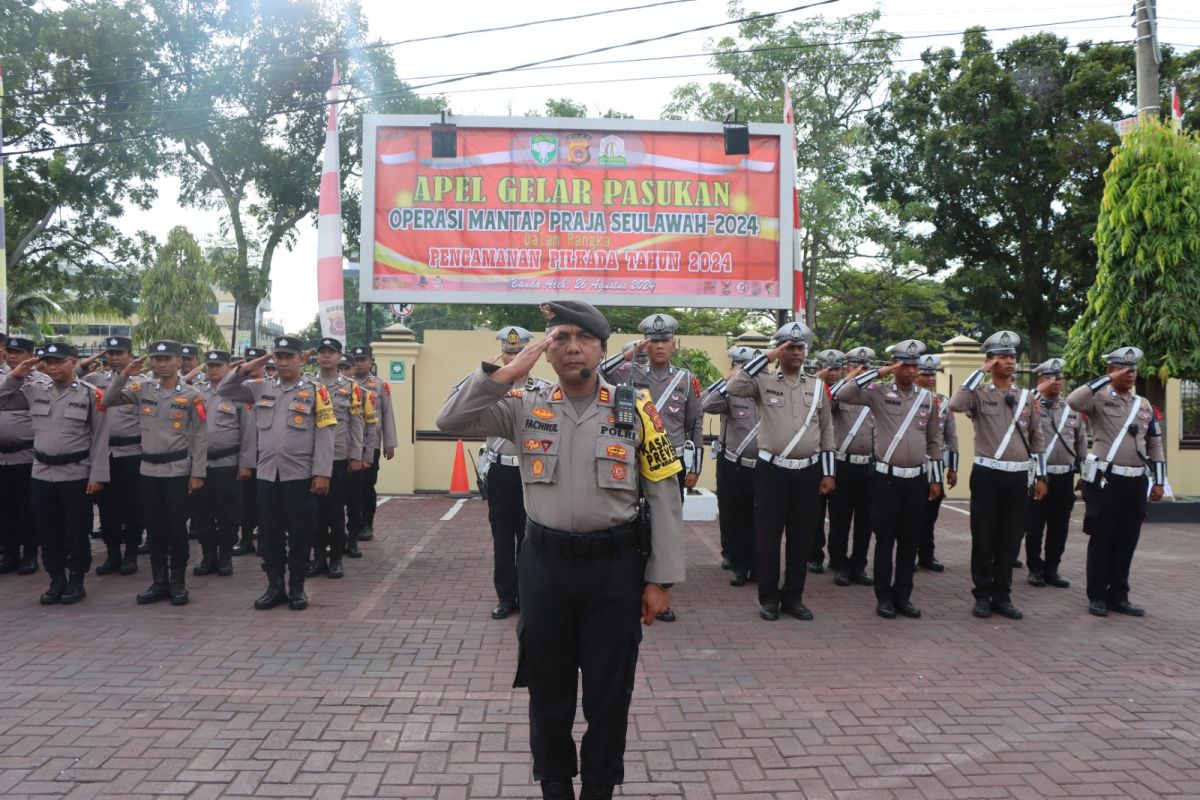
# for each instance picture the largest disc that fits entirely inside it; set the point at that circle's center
(458, 476)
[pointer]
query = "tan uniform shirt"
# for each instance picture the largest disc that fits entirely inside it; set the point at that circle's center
(16, 430)
(382, 434)
(230, 425)
(580, 472)
(681, 411)
(65, 421)
(949, 433)
(783, 405)
(1069, 447)
(347, 399)
(891, 405)
(739, 415)
(171, 421)
(292, 444)
(123, 423)
(1107, 411)
(845, 415)
(987, 409)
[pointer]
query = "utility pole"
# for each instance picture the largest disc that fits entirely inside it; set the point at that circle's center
(1148, 57)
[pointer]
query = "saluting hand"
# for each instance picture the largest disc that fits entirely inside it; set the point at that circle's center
(1045, 384)
(857, 370)
(25, 368)
(517, 370)
(133, 367)
(774, 354)
(246, 367)
(988, 364)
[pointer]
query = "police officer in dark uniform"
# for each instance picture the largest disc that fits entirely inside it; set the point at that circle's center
(18, 539)
(249, 525)
(586, 451)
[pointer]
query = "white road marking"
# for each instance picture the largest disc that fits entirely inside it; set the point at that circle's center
(956, 508)
(381, 500)
(454, 509)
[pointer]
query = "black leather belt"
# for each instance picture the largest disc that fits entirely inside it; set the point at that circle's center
(217, 455)
(16, 448)
(592, 544)
(61, 459)
(164, 458)
(122, 441)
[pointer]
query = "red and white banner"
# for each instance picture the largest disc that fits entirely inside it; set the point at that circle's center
(798, 306)
(330, 300)
(1176, 110)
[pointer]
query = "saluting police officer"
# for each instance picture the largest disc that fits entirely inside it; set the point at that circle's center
(506, 507)
(380, 439)
(18, 541)
(1009, 464)
(232, 454)
(189, 359)
(347, 398)
(928, 366)
(174, 430)
(1127, 451)
(70, 451)
(1063, 430)
(829, 370)
(245, 545)
(908, 469)
(796, 464)
(854, 434)
(584, 584)
(295, 422)
(736, 452)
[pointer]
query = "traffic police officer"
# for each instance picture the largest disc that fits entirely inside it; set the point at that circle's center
(1009, 463)
(1063, 430)
(295, 422)
(18, 541)
(231, 457)
(70, 451)
(736, 453)
(173, 423)
(347, 398)
(829, 370)
(796, 464)
(908, 469)
(850, 505)
(1127, 452)
(380, 440)
(249, 525)
(928, 366)
(585, 453)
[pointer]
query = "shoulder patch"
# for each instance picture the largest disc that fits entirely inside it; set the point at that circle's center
(515, 393)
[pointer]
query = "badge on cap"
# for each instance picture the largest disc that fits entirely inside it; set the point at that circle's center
(113, 342)
(513, 336)
(547, 311)
(52, 348)
(1005, 339)
(1131, 354)
(161, 347)
(658, 323)
(912, 348)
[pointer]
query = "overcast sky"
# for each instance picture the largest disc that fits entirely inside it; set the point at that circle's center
(626, 87)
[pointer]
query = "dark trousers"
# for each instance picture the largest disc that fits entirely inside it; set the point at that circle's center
(121, 503)
(997, 526)
(579, 617)
(331, 515)
(1114, 519)
(250, 505)
(218, 508)
(506, 513)
(1053, 516)
(361, 498)
(287, 511)
(925, 547)
(850, 504)
(898, 517)
(369, 498)
(784, 499)
(735, 510)
(818, 542)
(63, 511)
(19, 529)
(165, 509)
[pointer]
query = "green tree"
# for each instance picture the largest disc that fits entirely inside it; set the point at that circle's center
(566, 107)
(1147, 288)
(177, 295)
(835, 69)
(992, 164)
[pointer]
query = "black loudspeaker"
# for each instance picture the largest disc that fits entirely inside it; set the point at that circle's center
(445, 140)
(737, 139)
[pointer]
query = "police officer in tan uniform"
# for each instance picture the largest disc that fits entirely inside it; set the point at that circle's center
(795, 465)
(585, 453)
(174, 429)
(829, 369)
(249, 525)
(1127, 453)
(908, 469)
(232, 454)
(928, 366)
(1009, 465)
(295, 421)
(18, 539)
(189, 359)
(70, 452)
(1066, 446)
(850, 505)
(380, 440)
(736, 454)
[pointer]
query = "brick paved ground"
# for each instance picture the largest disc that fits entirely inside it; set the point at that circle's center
(395, 683)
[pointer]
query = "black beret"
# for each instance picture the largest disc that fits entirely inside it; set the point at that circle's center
(576, 312)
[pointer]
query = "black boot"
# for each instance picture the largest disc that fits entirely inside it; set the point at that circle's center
(58, 585)
(179, 591)
(274, 595)
(245, 545)
(208, 561)
(316, 566)
(595, 791)
(558, 790)
(352, 550)
(336, 570)
(159, 590)
(74, 591)
(224, 560)
(8, 563)
(28, 563)
(298, 600)
(112, 561)
(129, 562)
(367, 533)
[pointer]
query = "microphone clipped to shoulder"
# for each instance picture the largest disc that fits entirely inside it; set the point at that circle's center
(1009, 400)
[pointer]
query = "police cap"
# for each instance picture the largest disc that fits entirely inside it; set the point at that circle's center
(216, 357)
(19, 343)
(658, 327)
(794, 333)
(58, 350)
(252, 353)
(362, 351)
(513, 338)
(329, 343)
(189, 350)
(289, 344)
(830, 358)
(118, 344)
(1124, 357)
(164, 347)
(1052, 367)
(929, 363)
(1002, 343)
(860, 356)
(907, 352)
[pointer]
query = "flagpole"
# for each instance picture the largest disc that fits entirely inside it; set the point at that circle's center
(798, 298)
(330, 282)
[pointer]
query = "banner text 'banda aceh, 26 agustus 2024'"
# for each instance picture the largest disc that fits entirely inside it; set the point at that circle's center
(617, 212)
